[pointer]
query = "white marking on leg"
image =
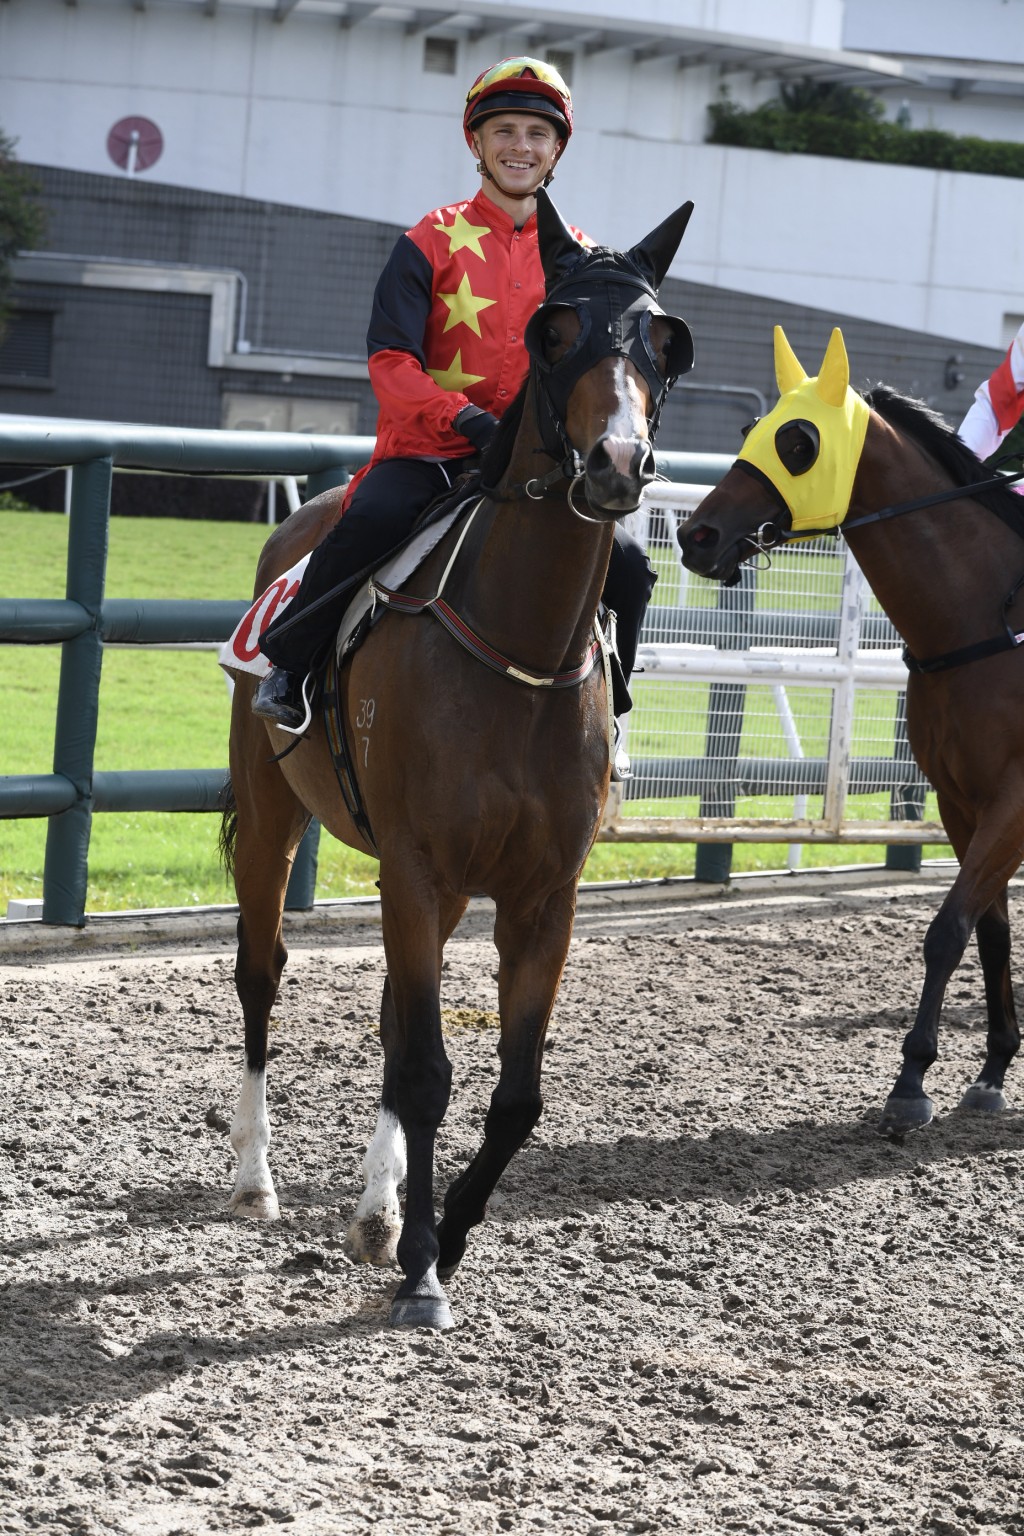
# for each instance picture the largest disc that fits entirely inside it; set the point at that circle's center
(373, 1235)
(253, 1194)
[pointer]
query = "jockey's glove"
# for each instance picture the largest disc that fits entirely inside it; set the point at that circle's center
(476, 425)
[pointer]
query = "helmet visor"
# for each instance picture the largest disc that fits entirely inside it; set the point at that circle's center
(516, 69)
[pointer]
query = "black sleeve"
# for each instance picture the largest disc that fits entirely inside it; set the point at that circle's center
(401, 303)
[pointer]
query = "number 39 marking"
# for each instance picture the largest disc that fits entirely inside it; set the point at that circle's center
(364, 722)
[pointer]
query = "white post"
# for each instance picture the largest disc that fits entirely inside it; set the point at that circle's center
(840, 745)
(796, 751)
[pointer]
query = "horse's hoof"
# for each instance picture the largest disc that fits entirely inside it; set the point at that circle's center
(372, 1240)
(980, 1096)
(255, 1205)
(902, 1115)
(421, 1312)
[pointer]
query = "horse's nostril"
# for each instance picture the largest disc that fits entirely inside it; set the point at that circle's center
(700, 535)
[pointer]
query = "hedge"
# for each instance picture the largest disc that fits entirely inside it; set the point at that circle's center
(774, 126)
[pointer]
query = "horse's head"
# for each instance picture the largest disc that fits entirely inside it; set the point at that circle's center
(794, 474)
(604, 356)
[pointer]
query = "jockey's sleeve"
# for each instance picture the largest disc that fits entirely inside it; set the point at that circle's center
(397, 363)
(998, 403)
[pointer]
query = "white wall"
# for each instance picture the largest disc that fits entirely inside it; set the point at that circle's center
(311, 114)
(948, 29)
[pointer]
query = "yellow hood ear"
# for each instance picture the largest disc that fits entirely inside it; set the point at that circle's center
(834, 378)
(789, 373)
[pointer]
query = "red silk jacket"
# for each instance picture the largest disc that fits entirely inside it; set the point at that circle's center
(447, 325)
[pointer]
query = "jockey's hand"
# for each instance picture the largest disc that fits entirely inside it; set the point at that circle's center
(476, 426)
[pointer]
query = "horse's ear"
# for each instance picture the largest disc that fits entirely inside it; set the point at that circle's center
(789, 372)
(653, 255)
(834, 377)
(559, 248)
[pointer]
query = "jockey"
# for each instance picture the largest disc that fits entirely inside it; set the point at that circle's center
(998, 403)
(446, 358)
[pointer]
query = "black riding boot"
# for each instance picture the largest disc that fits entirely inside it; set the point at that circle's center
(280, 698)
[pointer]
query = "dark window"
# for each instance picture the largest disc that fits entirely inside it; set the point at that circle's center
(26, 349)
(440, 55)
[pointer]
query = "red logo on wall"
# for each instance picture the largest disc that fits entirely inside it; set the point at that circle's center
(135, 144)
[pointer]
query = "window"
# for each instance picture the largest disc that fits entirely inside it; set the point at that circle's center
(249, 412)
(26, 350)
(440, 55)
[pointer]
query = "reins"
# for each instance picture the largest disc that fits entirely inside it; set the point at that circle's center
(403, 602)
(1009, 640)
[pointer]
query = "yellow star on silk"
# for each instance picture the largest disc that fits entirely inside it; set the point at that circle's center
(464, 236)
(464, 307)
(453, 378)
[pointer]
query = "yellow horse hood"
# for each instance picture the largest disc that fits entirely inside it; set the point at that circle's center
(809, 445)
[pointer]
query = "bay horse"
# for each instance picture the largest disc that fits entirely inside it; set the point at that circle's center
(475, 779)
(941, 543)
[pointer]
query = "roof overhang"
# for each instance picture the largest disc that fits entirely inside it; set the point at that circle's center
(590, 34)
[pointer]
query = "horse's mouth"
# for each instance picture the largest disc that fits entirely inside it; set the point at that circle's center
(612, 507)
(704, 553)
(618, 471)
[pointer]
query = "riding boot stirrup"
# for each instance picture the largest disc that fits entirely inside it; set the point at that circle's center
(282, 698)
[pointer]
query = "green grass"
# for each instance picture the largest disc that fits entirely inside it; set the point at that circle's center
(165, 709)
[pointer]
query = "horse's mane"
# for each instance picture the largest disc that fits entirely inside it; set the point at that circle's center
(498, 455)
(937, 437)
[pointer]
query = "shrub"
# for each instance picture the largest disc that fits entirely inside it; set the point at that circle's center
(848, 124)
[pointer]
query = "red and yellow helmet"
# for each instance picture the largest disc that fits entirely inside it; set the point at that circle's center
(521, 84)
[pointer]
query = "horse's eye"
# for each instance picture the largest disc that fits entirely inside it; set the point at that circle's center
(797, 444)
(550, 338)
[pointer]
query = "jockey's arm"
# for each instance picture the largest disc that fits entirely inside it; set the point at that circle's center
(397, 364)
(998, 403)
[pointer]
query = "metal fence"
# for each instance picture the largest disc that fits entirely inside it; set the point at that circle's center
(771, 711)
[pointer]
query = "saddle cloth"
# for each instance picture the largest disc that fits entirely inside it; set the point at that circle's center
(241, 653)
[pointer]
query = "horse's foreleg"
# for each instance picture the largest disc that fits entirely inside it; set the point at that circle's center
(532, 953)
(374, 1232)
(270, 823)
(986, 864)
(418, 1079)
(993, 936)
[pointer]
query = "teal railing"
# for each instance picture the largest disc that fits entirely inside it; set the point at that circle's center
(85, 620)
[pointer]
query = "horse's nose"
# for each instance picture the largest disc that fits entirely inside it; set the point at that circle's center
(630, 457)
(618, 469)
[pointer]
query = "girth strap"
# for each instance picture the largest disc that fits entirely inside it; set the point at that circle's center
(341, 754)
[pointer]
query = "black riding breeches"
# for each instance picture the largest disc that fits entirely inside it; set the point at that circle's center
(627, 591)
(380, 516)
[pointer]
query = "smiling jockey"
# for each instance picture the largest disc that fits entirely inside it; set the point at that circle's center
(446, 359)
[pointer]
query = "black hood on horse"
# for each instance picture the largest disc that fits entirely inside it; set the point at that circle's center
(614, 294)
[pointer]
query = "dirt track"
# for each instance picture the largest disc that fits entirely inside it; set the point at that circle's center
(708, 1297)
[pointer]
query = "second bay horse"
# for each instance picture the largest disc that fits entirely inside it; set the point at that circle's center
(941, 542)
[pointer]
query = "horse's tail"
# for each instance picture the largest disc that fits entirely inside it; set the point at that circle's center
(228, 827)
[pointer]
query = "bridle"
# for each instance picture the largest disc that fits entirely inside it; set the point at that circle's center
(614, 304)
(782, 536)
(771, 535)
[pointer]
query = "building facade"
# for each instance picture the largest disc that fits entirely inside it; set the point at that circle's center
(224, 179)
